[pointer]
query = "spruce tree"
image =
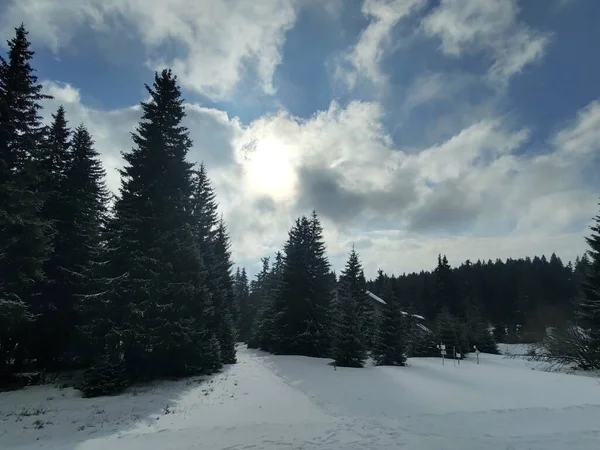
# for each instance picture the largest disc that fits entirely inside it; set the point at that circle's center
(445, 288)
(349, 349)
(83, 236)
(379, 283)
(205, 210)
(260, 299)
(478, 334)
(213, 241)
(221, 271)
(499, 332)
(357, 284)
(368, 319)
(242, 295)
(156, 288)
(424, 345)
(55, 307)
(24, 235)
(390, 341)
(481, 338)
(348, 344)
(266, 338)
(320, 324)
(301, 322)
(452, 333)
(589, 303)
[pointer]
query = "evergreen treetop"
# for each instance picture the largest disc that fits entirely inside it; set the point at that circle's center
(21, 128)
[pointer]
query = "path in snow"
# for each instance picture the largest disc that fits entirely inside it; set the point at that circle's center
(277, 402)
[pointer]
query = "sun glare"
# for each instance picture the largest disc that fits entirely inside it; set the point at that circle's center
(270, 170)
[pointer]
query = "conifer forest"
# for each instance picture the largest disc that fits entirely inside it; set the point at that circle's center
(139, 284)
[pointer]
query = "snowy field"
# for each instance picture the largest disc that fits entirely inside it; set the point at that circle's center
(287, 402)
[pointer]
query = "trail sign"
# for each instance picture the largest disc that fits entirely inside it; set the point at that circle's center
(442, 348)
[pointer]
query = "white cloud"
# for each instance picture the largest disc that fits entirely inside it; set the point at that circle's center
(516, 205)
(512, 205)
(582, 137)
(424, 89)
(220, 40)
(487, 139)
(366, 55)
(465, 26)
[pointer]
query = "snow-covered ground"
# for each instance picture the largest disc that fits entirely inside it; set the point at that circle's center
(289, 402)
(515, 349)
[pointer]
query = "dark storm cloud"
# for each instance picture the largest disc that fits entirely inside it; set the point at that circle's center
(320, 189)
(448, 209)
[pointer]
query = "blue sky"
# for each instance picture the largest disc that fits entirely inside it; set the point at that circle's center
(467, 127)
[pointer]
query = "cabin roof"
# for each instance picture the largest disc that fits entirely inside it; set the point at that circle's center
(382, 301)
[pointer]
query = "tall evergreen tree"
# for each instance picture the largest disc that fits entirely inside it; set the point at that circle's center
(301, 310)
(242, 298)
(261, 301)
(589, 304)
(86, 214)
(156, 282)
(220, 271)
(353, 280)
(205, 210)
(445, 287)
(390, 340)
(349, 349)
(265, 325)
(476, 326)
(213, 241)
(379, 283)
(54, 307)
(24, 235)
(320, 324)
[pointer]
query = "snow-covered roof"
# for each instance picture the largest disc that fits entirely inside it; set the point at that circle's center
(374, 297)
(416, 316)
(424, 328)
(382, 301)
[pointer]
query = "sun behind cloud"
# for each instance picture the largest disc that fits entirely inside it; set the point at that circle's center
(269, 169)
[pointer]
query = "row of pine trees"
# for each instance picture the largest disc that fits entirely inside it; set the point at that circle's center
(132, 287)
(298, 306)
(519, 297)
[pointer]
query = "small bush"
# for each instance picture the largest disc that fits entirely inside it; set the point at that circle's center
(569, 346)
(105, 378)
